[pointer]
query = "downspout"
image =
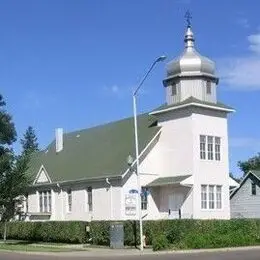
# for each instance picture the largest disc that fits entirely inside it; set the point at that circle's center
(111, 199)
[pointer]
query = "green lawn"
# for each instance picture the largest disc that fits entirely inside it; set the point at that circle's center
(34, 248)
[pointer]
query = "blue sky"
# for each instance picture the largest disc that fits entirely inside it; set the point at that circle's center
(73, 64)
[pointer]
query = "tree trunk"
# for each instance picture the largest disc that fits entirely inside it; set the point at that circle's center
(5, 231)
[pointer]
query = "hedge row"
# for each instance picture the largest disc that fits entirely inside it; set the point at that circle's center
(161, 234)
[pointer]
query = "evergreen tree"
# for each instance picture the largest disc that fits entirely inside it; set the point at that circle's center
(29, 141)
(14, 179)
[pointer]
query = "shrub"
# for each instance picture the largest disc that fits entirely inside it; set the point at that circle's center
(177, 233)
(52, 231)
(160, 242)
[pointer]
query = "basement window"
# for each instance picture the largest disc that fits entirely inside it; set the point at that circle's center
(253, 188)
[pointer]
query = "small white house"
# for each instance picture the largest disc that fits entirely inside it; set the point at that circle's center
(184, 167)
(245, 200)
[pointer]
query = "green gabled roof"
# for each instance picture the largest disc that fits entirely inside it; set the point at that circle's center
(96, 152)
(256, 172)
(168, 180)
(192, 100)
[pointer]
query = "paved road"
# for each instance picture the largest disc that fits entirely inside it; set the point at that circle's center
(252, 254)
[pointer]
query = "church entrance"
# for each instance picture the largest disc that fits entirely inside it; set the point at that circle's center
(175, 201)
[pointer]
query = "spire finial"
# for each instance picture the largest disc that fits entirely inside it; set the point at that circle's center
(188, 18)
(189, 39)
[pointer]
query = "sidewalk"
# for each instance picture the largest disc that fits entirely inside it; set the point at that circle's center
(106, 252)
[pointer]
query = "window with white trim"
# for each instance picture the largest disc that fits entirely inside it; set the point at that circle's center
(69, 197)
(45, 201)
(90, 202)
(210, 147)
(144, 198)
(208, 87)
(204, 196)
(211, 197)
(202, 147)
(253, 188)
(217, 148)
(174, 89)
(219, 197)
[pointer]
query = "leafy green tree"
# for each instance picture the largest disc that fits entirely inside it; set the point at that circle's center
(14, 179)
(237, 179)
(29, 142)
(252, 163)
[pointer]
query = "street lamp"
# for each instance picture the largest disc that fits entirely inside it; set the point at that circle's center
(159, 59)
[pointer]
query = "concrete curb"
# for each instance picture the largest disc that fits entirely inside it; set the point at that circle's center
(94, 252)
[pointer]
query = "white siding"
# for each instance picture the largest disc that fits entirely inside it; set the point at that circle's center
(191, 88)
(245, 205)
(210, 172)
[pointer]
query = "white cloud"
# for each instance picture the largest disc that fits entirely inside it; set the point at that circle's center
(254, 41)
(122, 92)
(243, 22)
(116, 91)
(243, 73)
(36, 100)
(245, 142)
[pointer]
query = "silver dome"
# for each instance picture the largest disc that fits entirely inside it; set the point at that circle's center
(190, 63)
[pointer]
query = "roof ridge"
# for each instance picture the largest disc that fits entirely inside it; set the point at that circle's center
(105, 124)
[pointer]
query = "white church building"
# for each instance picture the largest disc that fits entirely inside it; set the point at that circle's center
(184, 161)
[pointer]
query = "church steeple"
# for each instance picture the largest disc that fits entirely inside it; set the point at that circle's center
(189, 39)
(191, 74)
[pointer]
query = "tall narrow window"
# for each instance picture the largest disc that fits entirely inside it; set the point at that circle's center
(202, 147)
(253, 188)
(219, 197)
(211, 197)
(208, 87)
(90, 203)
(40, 202)
(26, 203)
(204, 199)
(174, 89)
(144, 198)
(45, 201)
(217, 148)
(69, 194)
(49, 201)
(210, 147)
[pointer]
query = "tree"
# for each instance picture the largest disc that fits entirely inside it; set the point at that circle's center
(29, 141)
(237, 179)
(252, 163)
(14, 179)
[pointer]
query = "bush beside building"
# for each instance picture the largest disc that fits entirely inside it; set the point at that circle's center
(163, 234)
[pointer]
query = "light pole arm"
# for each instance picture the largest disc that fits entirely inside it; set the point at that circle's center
(161, 58)
(144, 78)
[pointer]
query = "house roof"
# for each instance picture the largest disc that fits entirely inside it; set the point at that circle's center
(254, 175)
(191, 101)
(256, 172)
(96, 152)
(167, 180)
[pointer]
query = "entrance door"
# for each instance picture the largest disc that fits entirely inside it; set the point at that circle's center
(175, 203)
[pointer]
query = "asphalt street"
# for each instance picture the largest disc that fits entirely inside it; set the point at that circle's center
(252, 254)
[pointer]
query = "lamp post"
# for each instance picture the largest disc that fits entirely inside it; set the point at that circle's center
(159, 59)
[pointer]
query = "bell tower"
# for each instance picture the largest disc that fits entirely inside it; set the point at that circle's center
(194, 132)
(191, 74)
